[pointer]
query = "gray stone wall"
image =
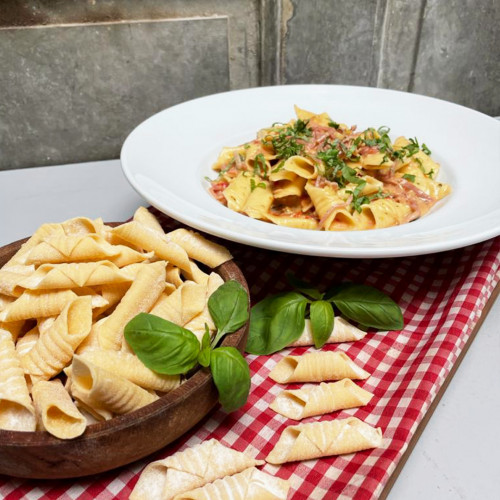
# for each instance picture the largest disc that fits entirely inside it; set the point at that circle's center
(76, 76)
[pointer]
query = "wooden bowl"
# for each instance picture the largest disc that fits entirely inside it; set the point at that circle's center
(123, 439)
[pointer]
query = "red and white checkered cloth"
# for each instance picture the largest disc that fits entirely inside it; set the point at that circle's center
(442, 296)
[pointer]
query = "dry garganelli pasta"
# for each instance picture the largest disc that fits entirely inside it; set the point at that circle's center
(314, 173)
(63, 314)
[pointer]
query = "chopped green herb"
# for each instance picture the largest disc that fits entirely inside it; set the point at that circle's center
(260, 166)
(285, 143)
(278, 167)
(426, 150)
(254, 186)
(358, 201)
(333, 124)
(413, 147)
(409, 177)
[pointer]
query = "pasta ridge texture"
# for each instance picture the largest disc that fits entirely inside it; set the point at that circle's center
(58, 413)
(317, 367)
(320, 399)
(190, 469)
(16, 409)
(70, 328)
(321, 439)
(342, 331)
(96, 386)
(37, 304)
(251, 484)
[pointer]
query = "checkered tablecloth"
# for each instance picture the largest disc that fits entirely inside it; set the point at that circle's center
(442, 296)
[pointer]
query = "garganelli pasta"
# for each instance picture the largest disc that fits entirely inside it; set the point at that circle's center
(65, 299)
(314, 173)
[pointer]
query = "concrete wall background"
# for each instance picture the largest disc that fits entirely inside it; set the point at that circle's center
(76, 76)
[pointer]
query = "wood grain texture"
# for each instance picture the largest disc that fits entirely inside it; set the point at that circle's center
(123, 439)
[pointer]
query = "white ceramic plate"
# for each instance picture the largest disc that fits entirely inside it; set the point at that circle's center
(167, 157)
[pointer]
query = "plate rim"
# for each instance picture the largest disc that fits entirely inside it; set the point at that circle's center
(312, 249)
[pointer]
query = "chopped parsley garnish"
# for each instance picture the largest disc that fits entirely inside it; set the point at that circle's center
(358, 201)
(334, 125)
(260, 166)
(285, 143)
(254, 185)
(336, 169)
(333, 164)
(409, 177)
(426, 150)
(278, 167)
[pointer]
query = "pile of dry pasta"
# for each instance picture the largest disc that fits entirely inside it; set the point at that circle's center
(65, 298)
(314, 173)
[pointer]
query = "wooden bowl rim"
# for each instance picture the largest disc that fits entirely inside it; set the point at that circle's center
(201, 377)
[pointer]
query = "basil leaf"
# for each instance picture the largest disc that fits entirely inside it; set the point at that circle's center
(322, 318)
(369, 306)
(303, 287)
(276, 322)
(260, 319)
(334, 289)
(228, 306)
(161, 345)
(204, 356)
(231, 376)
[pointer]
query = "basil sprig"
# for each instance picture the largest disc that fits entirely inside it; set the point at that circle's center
(279, 320)
(167, 348)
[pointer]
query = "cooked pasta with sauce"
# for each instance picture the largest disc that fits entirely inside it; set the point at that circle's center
(314, 173)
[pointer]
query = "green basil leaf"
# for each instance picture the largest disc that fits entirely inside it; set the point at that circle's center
(276, 322)
(204, 356)
(162, 345)
(231, 376)
(334, 289)
(260, 318)
(228, 306)
(369, 306)
(322, 318)
(303, 287)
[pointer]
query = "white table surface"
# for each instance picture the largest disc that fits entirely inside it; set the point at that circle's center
(457, 456)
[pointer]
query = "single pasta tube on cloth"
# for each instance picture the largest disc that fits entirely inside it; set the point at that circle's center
(251, 484)
(57, 413)
(190, 469)
(315, 400)
(342, 331)
(323, 439)
(317, 367)
(16, 408)
(100, 388)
